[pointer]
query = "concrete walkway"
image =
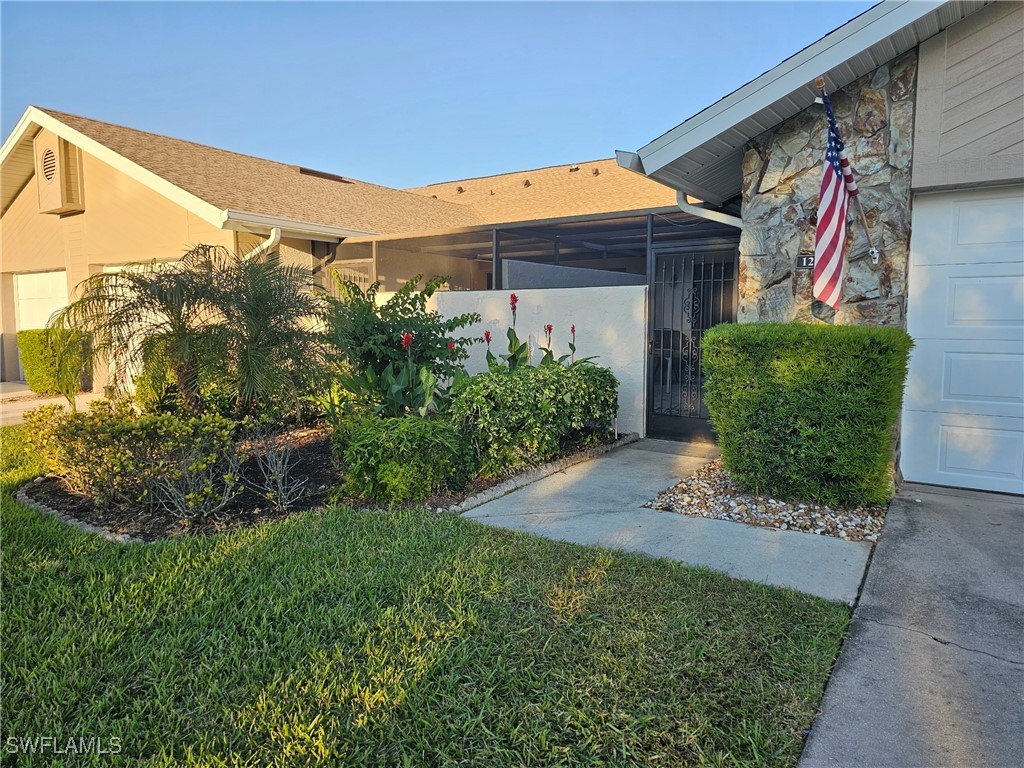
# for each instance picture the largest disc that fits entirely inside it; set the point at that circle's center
(600, 502)
(932, 673)
(16, 398)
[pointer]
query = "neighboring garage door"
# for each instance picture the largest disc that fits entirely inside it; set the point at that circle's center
(963, 412)
(37, 295)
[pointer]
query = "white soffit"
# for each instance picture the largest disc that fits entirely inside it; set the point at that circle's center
(703, 155)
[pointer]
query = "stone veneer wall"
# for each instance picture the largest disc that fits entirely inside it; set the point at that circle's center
(781, 182)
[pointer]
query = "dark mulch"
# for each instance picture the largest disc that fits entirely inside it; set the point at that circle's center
(313, 463)
(312, 454)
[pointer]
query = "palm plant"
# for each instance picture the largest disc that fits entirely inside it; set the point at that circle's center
(214, 314)
(145, 310)
(267, 334)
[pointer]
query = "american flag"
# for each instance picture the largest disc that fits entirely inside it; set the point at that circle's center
(837, 187)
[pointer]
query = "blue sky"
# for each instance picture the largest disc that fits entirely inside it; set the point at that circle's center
(399, 94)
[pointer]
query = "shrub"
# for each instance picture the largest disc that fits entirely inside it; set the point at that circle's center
(368, 335)
(37, 349)
(807, 412)
(522, 418)
(406, 459)
(397, 356)
(274, 455)
(186, 466)
(348, 422)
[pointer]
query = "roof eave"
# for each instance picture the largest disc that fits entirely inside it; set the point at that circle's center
(246, 221)
(160, 185)
(872, 26)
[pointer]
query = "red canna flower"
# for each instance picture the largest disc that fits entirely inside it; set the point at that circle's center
(573, 330)
(406, 340)
(487, 337)
(512, 301)
(548, 329)
(451, 347)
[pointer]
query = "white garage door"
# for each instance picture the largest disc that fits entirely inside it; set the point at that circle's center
(37, 295)
(963, 412)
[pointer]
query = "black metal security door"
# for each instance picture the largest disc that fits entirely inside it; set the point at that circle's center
(691, 291)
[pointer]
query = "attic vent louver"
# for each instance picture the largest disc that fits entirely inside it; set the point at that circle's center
(49, 164)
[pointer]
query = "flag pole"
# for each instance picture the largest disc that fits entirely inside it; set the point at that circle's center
(872, 251)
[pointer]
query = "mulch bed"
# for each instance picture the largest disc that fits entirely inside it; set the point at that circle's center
(312, 455)
(313, 463)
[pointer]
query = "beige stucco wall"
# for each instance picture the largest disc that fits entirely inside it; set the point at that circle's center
(970, 102)
(293, 250)
(123, 221)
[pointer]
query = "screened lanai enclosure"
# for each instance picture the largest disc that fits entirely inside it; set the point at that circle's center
(688, 263)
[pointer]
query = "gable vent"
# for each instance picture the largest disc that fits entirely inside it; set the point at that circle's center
(58, 167)
(49, 164)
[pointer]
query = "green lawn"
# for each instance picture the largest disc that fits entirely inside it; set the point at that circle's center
(397, 638)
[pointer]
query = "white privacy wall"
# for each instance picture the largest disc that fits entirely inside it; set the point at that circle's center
(611, 325)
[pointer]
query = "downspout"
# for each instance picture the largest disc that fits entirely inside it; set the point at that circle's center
(265, 247)
(631, 162)
(706, 213)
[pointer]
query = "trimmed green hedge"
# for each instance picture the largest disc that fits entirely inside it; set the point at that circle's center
(522, 418)
(40, 363)
(405, 459)
(807, 412)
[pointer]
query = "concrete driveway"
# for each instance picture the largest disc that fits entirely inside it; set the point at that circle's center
(12, 409)
(600, 502)
(932, 673)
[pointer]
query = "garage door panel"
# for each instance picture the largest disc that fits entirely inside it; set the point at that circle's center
(963, 416)
(973, 377)
(969, 227)
(967, 301)
(38, 295)
(965, 451)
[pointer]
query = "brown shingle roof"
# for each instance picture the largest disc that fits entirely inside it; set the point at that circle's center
(228, 180)
(599, 186)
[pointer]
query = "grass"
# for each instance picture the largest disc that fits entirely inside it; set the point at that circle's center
(397, 638)
(18, 464)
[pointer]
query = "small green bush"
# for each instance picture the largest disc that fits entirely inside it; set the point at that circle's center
(405, 459)
(189, 467)
(807, 412)
(38, 358)
(522, 418)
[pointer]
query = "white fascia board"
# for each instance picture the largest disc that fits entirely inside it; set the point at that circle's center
(244, 221)
(158, 184)
(855, 36)
(19, 132)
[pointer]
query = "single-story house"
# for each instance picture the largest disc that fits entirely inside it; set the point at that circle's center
(929, 97)
(710, 218)
(81, 196)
